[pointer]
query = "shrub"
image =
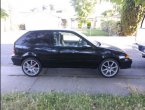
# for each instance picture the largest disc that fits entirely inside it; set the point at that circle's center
(88, 24)
(80, 25)
(112, 27)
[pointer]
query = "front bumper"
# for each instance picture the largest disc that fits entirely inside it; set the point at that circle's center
(125, 63)
(17, 60)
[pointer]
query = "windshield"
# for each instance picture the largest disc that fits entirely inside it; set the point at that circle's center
(96, 43)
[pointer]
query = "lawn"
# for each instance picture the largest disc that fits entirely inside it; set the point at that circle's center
(94, 32)
(61, 101)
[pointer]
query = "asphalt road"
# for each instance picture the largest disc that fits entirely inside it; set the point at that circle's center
(75, 80)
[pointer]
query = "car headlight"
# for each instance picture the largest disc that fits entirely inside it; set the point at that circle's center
(123, 56)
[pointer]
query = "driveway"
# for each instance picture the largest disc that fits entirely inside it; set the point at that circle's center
(75, 80)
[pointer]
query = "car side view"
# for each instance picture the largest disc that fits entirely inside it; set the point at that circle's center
(66, 49)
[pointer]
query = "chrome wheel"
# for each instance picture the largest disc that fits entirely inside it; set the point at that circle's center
(31, 67)
(109, 68)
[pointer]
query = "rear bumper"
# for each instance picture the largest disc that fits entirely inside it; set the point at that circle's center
(125, 63)
(16, 60)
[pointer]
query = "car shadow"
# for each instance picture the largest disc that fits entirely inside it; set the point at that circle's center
(70, 72)
(88, 73)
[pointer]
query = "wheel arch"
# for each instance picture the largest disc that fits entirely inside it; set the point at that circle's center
(109, 57)
(30, 55)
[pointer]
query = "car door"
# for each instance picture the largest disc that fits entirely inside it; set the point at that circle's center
(73, 51)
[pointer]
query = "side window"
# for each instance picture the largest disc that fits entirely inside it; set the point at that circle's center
(21, 40)
(66, 39)
(38, 39)
(56, 39)
(143, 23)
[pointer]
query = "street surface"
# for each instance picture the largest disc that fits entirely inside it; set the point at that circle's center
(72, 80)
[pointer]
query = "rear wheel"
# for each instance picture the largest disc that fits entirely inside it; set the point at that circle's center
(109, 68)
(31, 67)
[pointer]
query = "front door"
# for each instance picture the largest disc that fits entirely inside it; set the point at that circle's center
(74, 51)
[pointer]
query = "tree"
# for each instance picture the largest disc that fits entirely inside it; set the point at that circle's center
(3, 14)
(83, 8)
(131, 15)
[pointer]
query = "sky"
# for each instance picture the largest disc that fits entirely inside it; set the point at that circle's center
(18, 6)
(24, 5)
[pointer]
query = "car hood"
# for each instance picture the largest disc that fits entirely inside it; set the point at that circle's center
(110, 47)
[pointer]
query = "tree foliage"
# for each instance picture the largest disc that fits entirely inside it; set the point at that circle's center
(131, 14)
(83, 8)
(3, 13)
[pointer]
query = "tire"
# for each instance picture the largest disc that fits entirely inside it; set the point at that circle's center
(31, 67)
(109, 68)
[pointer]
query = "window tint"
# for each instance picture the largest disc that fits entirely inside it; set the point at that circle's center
(66, 39)
(56, 39)
(37, 38)
(22, 38)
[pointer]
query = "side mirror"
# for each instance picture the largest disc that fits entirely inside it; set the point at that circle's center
(99, 43)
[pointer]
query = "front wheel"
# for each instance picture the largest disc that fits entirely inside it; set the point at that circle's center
(109, 68)
(31, 67)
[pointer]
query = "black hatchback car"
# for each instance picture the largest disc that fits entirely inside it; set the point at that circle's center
(69, 49)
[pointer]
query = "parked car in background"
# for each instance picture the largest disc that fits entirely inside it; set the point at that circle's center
(140, 38)
(67, 49)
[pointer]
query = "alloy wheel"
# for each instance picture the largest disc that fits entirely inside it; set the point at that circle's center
(109, 68)
(31, 67)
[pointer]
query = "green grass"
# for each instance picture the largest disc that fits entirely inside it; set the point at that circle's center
(94, 32)
(61, 101)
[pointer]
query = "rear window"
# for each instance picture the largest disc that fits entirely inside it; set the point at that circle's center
(35, 38)
(21, 39)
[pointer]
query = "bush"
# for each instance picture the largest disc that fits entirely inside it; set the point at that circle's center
(88, 24)
(112, 27)
(80, 25)
(108, 13)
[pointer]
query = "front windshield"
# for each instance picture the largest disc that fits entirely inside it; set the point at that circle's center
(96, 43)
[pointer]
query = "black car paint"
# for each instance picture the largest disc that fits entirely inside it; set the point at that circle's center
(55, 56)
